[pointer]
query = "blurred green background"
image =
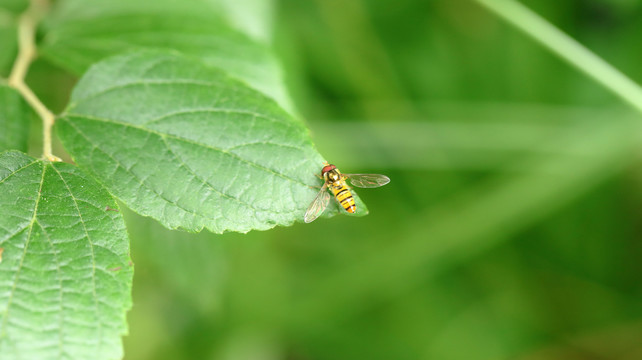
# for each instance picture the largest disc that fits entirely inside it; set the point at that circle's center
(511, 228)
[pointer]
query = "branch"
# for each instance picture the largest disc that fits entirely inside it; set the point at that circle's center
(26, 54)
(568, 49)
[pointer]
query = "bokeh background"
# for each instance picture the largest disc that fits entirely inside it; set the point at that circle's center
(511, 228)
(512, 225)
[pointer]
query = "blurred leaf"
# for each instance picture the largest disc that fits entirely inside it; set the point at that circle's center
(14, 120)
(9, 38)
(480, 217)
(82, 32)
(14, 6)
(201, 259)
(464, 136)
(621, 341)
(254, 17)
(568, 49)
(67, 276)
(225, 157)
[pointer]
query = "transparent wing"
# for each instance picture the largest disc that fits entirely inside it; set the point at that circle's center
(367, 180)
(318, 205)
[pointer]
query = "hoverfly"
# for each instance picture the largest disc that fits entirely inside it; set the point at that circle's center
(336, 182)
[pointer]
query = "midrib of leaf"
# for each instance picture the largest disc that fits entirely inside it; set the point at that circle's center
(24, 252)
(203, 181)
(55, 256)
(55, 304)
(160, 194)
(141, 182)
(93, 259)
(215, 111)
(165, 135)
(141, 127)
(34, 220)
(236, 161)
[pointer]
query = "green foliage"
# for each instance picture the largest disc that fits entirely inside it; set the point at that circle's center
(66, 273)
(224, 157)
(14, 7)
(184, 128)
(82, 32)
(511, 225)
(14, 120)
(9, 11)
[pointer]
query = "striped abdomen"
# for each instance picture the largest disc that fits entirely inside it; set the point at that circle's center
(344, 196)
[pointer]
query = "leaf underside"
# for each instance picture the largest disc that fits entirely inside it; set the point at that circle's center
(65, 274)
(189, 146)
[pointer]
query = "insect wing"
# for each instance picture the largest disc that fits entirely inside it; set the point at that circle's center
(367, 180)
(318, 205)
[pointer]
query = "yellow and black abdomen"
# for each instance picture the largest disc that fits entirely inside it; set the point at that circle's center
(344, 196)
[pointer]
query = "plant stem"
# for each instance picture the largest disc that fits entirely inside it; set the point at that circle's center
(26, 54)
(567, 48)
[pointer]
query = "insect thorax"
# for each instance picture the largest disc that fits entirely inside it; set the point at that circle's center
(333, 177)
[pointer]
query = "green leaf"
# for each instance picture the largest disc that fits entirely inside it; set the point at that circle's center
(65, 275)
(14, 6)
(189, 146)
(255, 17)
(82, 32)
(9, 11)
(14, 120)
(8, 47)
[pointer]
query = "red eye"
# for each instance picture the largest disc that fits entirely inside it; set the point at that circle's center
(327, 168)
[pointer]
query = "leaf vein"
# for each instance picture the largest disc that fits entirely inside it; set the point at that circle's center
(205, 182)
(59, 271)
(142, 182)
(218, 110)
(5, 317)
(270, 171)
(262, 143)
(93, 260)
(18, 170)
